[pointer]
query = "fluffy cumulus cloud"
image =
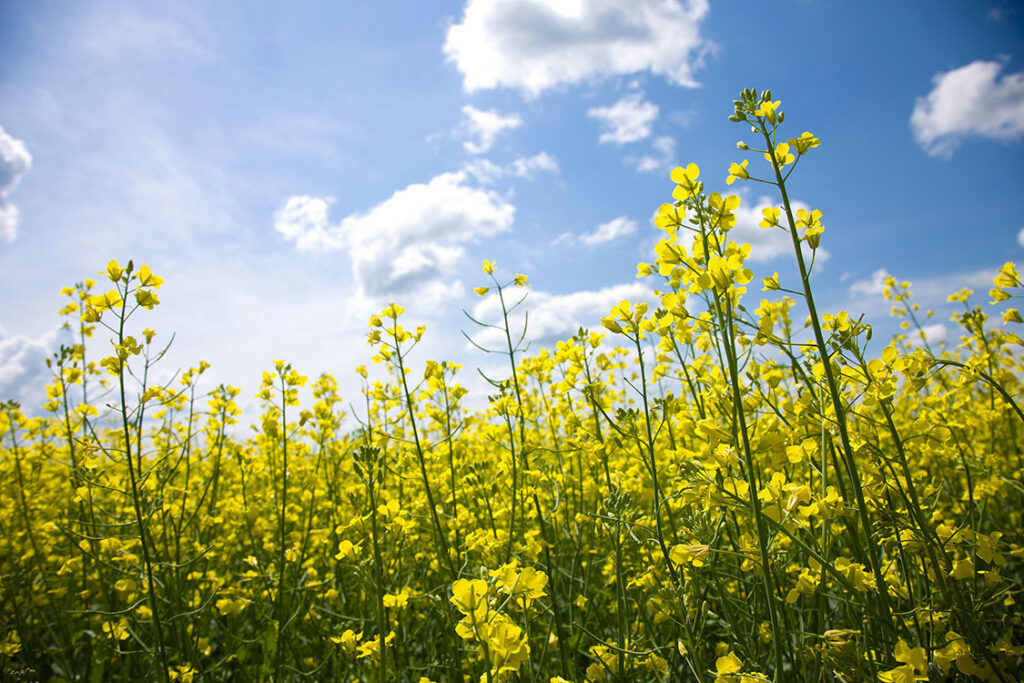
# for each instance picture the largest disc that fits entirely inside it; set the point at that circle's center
(482, 128)
(535, 45)
(304, 220)
(1020, 237)
(487, 172)
(555, 317)
(23, 371)
(15, 161)
(970, 101)
(409, 244)
(769, 244)
(628, 120)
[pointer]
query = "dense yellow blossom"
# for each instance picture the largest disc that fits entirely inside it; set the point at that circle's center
(708, 487)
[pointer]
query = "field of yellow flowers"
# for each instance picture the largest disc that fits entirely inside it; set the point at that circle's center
(726, 487)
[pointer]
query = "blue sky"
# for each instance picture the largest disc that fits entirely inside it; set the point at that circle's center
(289, 168)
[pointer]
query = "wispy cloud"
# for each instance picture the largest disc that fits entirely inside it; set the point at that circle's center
(487, 172)
(628, 120)
(871, 286)
(483, 127)
(606, 232)
(662, 151)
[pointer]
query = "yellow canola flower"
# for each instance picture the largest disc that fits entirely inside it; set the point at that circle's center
(113, 271)
(955, 649)
(10, 644)
(914, 656)
(116, 630)
(147, 279)
(229, 606)
(962, 569)
(686, 179)
(728, 664)
(488, 266)
(1008, 276)
(103, 302)
(809, 221)
(670, 217)
(349, 640)
(347, 551)
(856, 574)
(146, 299)
(531, 583)
(737, 171)
(674, 303)
(782, 155)
(805, 142)
(769, 110)
(371, 648)
(507, 646)
(770, 217)
(183, 672)
(393, 311)
(694, 553)
(399, 600)
(722, 210)
(470, 597)
(901, 674)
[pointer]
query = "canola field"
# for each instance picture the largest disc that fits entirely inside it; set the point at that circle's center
(731, 486)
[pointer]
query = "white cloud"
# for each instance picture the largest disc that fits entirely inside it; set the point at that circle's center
(933, 334)
(930, 292)
(15, 161)
(484, 127)
(1020, 237)
(663, 151)
(771, 243)
(969, 101)
(628, 120)
(536, 45)
(409, 244)
(526, 167)
(555, 317)
(303, 219)
(872, 286)
(606, 232)
(487, 172)
(23, 371)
